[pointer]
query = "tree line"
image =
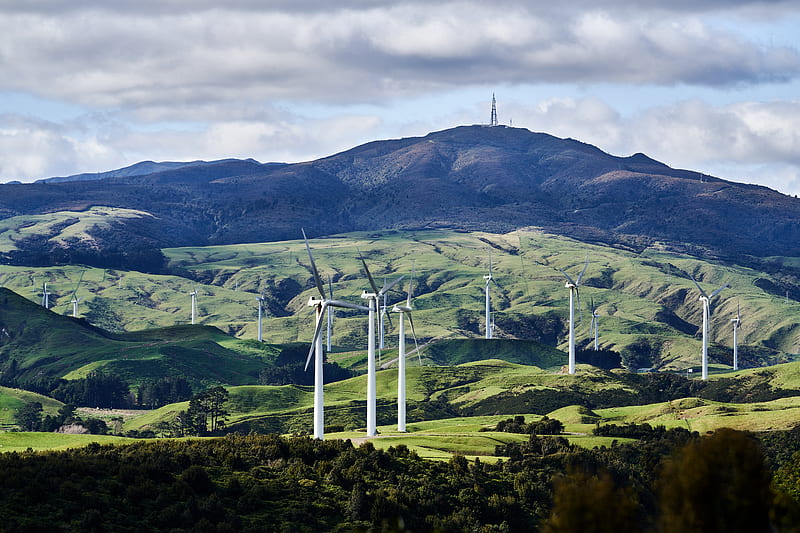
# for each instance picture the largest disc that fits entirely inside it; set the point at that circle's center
(726, 482)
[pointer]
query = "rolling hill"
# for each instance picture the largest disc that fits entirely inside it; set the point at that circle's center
(647, 304)
(37, 343)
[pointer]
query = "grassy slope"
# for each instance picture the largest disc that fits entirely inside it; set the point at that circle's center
(41, 341)
(632, 291)
(13, 399)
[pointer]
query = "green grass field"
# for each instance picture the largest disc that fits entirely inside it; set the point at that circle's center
(20, 441)
(637, 295)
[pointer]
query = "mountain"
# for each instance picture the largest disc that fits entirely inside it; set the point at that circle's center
(139, 169)
(492, 179)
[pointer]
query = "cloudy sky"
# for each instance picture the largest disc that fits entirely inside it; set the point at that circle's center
(87, 86)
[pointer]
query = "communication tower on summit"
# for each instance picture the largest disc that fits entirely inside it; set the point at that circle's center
(493, 120)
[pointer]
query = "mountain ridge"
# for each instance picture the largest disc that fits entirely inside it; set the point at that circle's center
(494, 179)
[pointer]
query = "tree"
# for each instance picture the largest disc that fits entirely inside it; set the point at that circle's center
(207, 407)
(29, 416)
(591, 504)
(716, 484)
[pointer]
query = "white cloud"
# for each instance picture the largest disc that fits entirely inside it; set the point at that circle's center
(103, 57)
(752, 142)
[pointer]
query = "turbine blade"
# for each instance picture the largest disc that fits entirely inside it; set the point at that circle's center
(317, 332)
(369, 275)
(568, 278)
(585, 266)
(718, 291)
(317, 279)
(698, 286)
(387, 288)
(346, 305)
(414, 335)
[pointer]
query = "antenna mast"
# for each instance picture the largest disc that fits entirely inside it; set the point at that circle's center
(493, 120)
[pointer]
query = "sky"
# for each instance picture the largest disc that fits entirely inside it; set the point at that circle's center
(89, 86)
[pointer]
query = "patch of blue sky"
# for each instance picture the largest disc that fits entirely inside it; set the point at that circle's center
(26, 104)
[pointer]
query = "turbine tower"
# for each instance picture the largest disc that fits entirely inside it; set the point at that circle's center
(260, 300)
(320, 305)
(373, 297)
(74, 302)
(737, 322)
(329, 332)
(45, 296)
(706, 299)
(193, 294)
(573, 285)
(594, 324)
(405, 311)
(489, 280)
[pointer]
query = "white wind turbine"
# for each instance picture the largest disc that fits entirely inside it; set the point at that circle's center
(405, 311)
(737, 322)
(329, 332)
(489, 279)
(74, 303)
(373, 297)
(706, 299)
(573, 285)
(320, 304)
(45, 296)
(594, 326)
(74, 300)
(260, 300)
(193, 294)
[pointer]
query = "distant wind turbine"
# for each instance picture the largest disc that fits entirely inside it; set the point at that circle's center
(329, 332)
(573, 285)
(193, 294)
(74, 299)
(373, 297)
(260, 300)
(706, 299)
(320, 305)
(737, 322)
(405, 311)
(489, 280)
(45, 296)
(594, 326)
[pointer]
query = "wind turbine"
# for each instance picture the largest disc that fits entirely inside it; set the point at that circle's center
(74, 300)
(573, 285)
(489, 280)
(320, 304)
(193, 294)
(260, 300)
(373, 298)
(405, 311)
(595, 321)
(381, 327)
(329, 332)
(45, 296)
(706, 299)
(737, 322)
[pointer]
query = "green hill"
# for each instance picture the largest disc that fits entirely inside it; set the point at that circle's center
(36, 342)
(647, 304)
(494, 387)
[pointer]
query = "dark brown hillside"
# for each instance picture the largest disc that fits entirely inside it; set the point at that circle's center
(470, 177)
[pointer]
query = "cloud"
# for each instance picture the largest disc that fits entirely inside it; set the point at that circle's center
(360, 51)
(754, 142)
